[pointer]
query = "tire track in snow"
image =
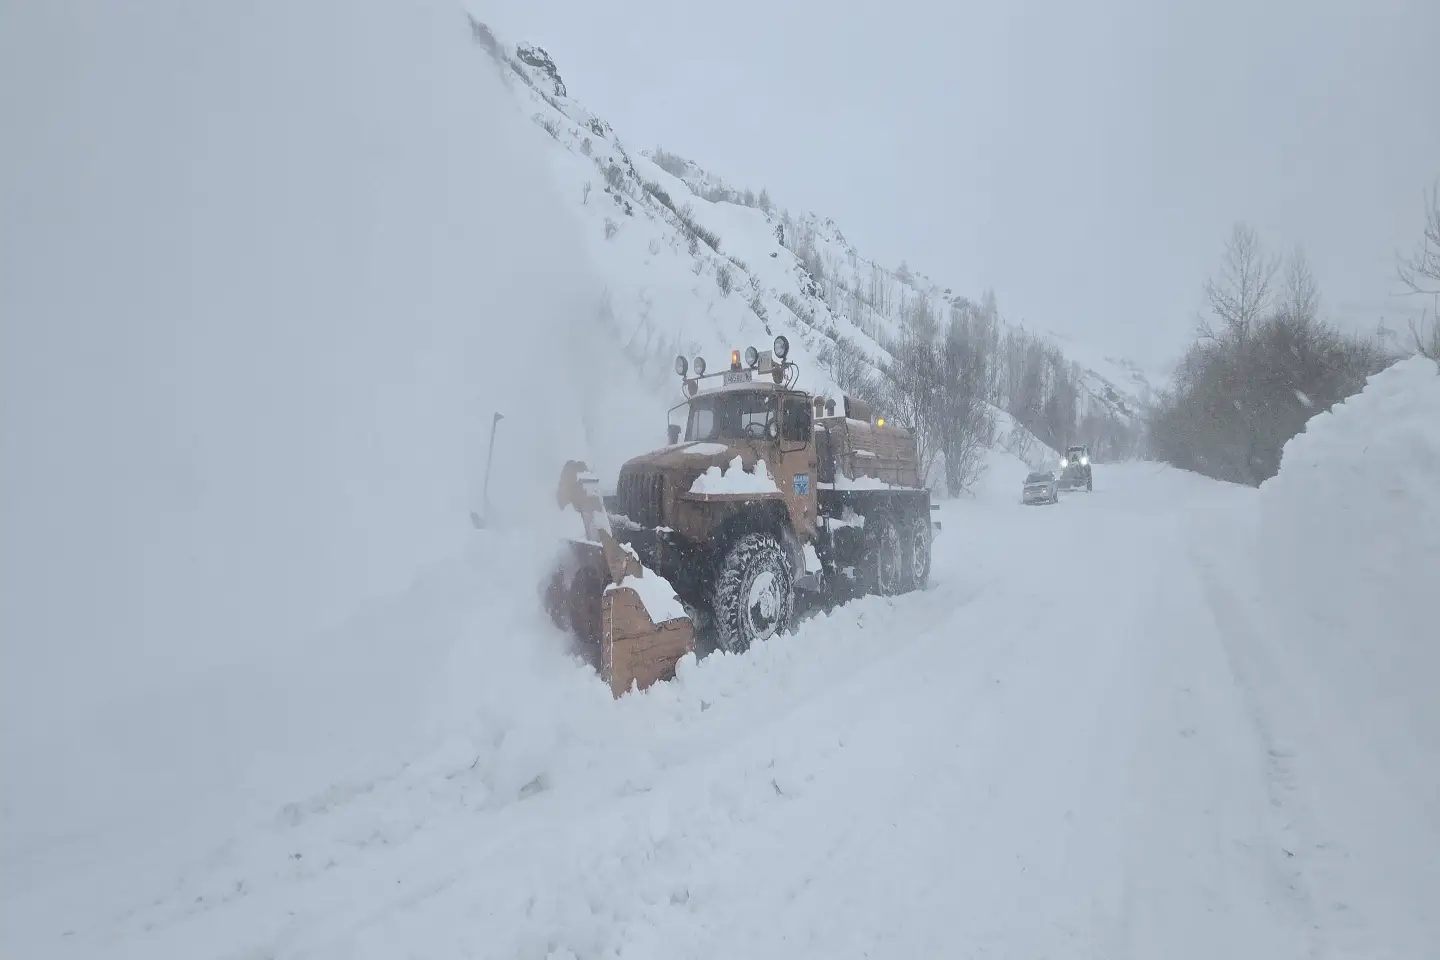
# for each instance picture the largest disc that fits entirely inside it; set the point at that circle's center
(1335, 794)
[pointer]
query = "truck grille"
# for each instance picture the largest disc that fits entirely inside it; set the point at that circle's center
(640, 496)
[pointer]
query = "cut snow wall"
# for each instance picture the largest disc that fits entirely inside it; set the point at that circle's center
(1350, 554)
(263, 279)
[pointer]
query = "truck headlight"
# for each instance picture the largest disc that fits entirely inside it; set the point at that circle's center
(1064, 463)
(1084, 461)
(782, 347)
(752, 356)
(682, 366)
(699, 366)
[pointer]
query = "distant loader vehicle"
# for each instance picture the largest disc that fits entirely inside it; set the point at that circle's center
(1075, 469)
(764, 491)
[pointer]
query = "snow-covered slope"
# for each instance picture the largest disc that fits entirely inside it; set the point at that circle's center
(1120, 383)
(693, 264)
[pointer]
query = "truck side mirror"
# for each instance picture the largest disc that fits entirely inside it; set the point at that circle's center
(674, 433)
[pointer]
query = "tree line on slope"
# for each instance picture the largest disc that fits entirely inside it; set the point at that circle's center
(946, 372)
(1266, 362)
(947, 375)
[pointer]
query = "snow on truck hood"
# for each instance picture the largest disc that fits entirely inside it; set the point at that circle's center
(735, 479)
(700, 448)
(690, 454)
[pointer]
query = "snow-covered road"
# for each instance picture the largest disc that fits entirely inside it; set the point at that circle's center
(1056, 751)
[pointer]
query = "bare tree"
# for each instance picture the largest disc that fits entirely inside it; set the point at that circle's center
(1301, 295)
(1421, 273)
(912, 392)
(1427, 336)
(1421, 270)
(965, 425)
(1241, 294)
(849, 368)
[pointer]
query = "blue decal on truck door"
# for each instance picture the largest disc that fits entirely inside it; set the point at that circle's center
(802, 484)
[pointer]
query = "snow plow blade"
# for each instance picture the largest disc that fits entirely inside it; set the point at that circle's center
(590, 596)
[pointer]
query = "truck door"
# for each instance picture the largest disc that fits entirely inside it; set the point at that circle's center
(796, 472)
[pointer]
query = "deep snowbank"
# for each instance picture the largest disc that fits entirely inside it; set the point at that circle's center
(1339, 647)
(1350, 542)
(264, 276)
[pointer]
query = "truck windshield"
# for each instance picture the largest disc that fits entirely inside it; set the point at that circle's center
(737, 415)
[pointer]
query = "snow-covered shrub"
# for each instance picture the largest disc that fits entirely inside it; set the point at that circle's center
(695, 231)
(615, 177)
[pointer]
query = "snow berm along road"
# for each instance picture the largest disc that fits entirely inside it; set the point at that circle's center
(305, 711)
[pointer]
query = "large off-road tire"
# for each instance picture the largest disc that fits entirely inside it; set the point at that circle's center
(917, 543)
(754, 592)
(884, 557)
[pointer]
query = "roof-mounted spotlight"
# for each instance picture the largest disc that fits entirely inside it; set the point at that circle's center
(752, 357)
(699, 366)
(782, 347)
(682, 366)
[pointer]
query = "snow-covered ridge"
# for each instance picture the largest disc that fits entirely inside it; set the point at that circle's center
(698, 265)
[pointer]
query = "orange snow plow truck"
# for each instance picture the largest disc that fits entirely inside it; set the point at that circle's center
(763, 492)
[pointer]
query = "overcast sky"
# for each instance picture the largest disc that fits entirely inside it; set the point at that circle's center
(1084, 159)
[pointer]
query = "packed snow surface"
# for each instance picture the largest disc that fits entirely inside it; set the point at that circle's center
(657, 594)
(979, 783)
(735, 479)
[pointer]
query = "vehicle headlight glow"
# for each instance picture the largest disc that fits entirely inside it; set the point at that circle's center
(1084, 461)
(1064, 463)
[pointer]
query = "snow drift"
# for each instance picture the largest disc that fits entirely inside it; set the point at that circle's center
(1331, 631)
(1350, 544)
(263, 280)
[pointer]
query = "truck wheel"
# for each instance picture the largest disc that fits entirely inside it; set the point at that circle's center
(917, 553)
(884, 557)
(754, 592)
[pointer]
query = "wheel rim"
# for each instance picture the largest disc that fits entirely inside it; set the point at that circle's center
(920, 550)
(763, 605)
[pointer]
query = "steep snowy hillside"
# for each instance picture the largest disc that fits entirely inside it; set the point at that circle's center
(693, 264)
(1122, 383)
